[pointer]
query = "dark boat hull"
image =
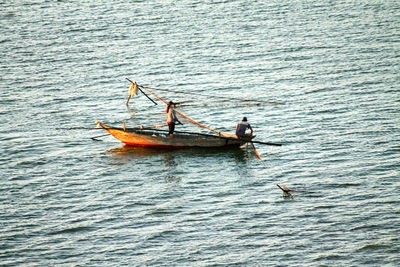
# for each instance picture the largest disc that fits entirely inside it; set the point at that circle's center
(180, 140)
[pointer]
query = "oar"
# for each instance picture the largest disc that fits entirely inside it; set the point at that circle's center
(157, 126)
(143, 93)
(141, 127)
(79, 128)
(258, 154)
(94, 137)
(266, 143)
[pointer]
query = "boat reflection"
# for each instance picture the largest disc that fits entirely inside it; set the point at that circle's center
(172, 158)
(238, 154)
(130, 151)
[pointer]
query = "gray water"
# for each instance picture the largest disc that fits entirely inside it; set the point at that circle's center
(327, 76)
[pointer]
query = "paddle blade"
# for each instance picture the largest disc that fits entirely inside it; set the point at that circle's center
(255, 151)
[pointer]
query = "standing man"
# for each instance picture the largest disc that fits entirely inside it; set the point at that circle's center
(242, 127)
(171, 118)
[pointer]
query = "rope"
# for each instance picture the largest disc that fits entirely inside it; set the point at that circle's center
(210, 96)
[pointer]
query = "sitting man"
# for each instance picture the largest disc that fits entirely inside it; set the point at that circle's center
(242, 127)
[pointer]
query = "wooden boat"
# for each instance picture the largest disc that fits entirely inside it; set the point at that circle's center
(143, 137)
(149, 137)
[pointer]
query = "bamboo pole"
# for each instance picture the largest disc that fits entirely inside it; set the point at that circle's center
(189, 119)
(143, 93)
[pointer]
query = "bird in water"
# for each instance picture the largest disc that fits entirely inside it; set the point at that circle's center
(287, 193)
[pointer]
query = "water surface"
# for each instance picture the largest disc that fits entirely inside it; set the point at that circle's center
(326, 72)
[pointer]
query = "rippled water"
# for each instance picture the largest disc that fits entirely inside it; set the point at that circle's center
(326, 71)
